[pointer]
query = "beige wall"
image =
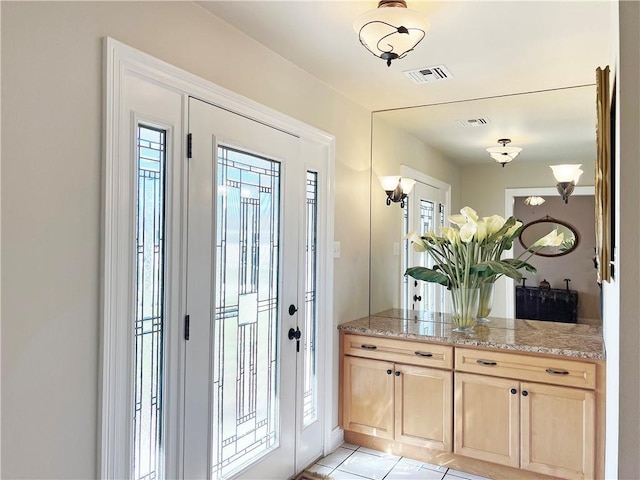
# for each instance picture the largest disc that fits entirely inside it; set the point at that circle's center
(577, 265)
(392, 148)
(51, 194)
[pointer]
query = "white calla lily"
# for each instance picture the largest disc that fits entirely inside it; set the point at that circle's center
(419, 245)
(467, 231)
(458, 219)
(469, 213)
(512, 231)
(494, 223)
(482, 231)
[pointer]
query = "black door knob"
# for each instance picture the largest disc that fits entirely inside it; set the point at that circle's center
(525, 393)
(417, 298)
(388, 372)
(292, 309)
(513, 391)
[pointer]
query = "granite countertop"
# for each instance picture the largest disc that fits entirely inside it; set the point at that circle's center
(554, 338)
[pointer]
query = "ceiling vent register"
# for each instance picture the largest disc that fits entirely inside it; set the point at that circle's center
(474, 122)
(429, 74)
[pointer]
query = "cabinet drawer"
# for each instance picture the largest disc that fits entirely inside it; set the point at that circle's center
(560, 371)
(402, 351)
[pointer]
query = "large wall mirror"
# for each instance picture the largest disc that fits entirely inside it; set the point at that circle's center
(443, 148)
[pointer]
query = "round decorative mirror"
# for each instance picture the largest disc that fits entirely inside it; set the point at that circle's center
(537, 229)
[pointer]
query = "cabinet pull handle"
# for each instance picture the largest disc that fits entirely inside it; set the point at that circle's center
(513, 391)
(397, 373)
(551, 371)
(369, 347)
(388, 372)
(486, 363)
(424, 354)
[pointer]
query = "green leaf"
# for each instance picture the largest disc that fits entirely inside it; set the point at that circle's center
(499, 267)
(427, 275)
(518, 264)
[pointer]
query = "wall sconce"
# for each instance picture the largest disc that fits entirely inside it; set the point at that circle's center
(504, 154)
(391, 30)
(397, 188)
(567, 177)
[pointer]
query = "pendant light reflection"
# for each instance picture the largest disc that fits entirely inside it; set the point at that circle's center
(567, 177)
(397, 188)
(392, 30)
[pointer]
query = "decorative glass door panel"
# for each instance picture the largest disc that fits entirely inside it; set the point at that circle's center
(246, 324)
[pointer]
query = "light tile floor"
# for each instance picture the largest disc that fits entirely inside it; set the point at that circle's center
(350, 462)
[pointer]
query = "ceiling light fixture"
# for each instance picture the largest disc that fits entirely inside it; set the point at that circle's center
(391, 30)
(504, 154)
(567, 177)
(533, 201)
(397, 188)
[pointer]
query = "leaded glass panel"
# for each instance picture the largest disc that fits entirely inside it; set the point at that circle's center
(245, 381)
(148, 328)
(310, 393)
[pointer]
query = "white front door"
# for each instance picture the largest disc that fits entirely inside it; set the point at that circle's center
(426, 212)
(251, 325)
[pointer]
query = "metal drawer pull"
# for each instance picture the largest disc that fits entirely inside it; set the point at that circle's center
(485, 363)
(369, 347)
(556, 372)
(423, 354)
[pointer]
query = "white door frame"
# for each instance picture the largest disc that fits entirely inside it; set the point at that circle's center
(509, 197)
(122, 65)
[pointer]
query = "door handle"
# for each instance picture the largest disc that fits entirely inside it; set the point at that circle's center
(417, 298)
(295, 335)
(292, 309)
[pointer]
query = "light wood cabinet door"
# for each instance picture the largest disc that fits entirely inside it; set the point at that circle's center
(424, 407)
(486, 418)
(368, 392)
(558, 431)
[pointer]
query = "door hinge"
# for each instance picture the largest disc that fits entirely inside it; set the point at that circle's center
(187, 322)
(189, 145)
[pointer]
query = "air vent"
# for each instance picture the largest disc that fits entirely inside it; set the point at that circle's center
(429, 74)
(474, 122)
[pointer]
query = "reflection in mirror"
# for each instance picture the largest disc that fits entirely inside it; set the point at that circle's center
(539, 228)
(433, 141)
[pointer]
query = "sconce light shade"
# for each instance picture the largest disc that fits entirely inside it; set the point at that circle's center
(567, 177)
(504, 154)
(391, 30)
(397, 188)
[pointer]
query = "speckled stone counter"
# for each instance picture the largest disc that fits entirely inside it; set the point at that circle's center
(552, 338)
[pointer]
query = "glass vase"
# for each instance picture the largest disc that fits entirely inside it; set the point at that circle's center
(485, 302)
(464, 308)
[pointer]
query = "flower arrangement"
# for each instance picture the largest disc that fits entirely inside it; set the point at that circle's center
(469, 253)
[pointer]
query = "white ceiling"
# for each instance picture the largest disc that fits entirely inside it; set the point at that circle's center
(493, 49)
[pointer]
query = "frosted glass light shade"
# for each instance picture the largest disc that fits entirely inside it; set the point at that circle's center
(390, 31)
(407, 185)
(389, 183)
(567, 173)
(504, 154)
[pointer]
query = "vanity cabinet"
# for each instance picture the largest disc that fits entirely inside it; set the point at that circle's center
(495, 412)
(540, 427)
(403, 401)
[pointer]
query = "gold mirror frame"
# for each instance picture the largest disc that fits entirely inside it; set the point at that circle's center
(603, 176)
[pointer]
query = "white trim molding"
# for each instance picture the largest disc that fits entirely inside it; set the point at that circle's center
(127, 71)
